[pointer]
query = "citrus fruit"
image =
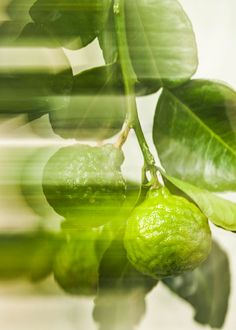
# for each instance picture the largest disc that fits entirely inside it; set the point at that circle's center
(31, 180)
(85, 183)
(166, 235)
(76, 264)
(27, 255)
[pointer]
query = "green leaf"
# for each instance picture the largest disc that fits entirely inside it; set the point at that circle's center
(161, 42)
(30, 92)
(97, 106)
(148, 23)
(9, 31)
(116, 272)
(120, 302)
(74, 23)
(34, 35)
(207, 288)
(41, 77)
(19, 10)
(35, 93)
(27, 255)
(195, 134)
(108, 41)
(218, 210)
(141, 89)
(26, 34)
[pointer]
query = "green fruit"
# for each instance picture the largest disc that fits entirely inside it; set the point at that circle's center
(31, 180)
(43, 257)
(76, 264)
(28, 255)
(85, 183)
(71, 226)
(166, 235)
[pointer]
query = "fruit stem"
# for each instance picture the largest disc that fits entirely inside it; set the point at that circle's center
(130, 79)
(123, 136)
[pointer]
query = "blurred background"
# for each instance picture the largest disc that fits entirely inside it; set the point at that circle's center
(26, 147)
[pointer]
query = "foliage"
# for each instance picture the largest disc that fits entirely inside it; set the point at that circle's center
(148, 46)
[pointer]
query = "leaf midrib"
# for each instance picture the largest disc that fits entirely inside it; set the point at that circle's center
(199, 120)
(95, 96)
(147, 42)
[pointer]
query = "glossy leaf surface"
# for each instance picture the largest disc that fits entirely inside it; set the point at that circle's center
(19, 10)
(108, 40)
(34, 93)
(9, 31)
(195, 134)
(161, 42)
(97, 106)
(207, 288)
(218, 210)
(27, 255)
(73, 23)
(120, 302)
(36, 70)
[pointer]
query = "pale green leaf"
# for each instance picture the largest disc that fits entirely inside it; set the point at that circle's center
(161, 41)
(218, 210)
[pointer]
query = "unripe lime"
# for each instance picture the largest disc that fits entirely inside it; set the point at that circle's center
(166, 235)
(31, 180)
(85, 183)
(76, 264)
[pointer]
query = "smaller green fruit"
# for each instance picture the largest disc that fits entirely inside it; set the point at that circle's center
(166, 235)
(31, 180)
(76, 264)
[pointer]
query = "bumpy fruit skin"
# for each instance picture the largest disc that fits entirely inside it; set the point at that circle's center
(76, 264)
(84, 182)
(166, 235)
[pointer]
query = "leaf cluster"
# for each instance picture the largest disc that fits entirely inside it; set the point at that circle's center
(194, 128)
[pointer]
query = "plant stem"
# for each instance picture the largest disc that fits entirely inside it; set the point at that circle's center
(123, 136)
(130, 79)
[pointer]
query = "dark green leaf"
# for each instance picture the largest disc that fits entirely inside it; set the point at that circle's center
(195, 134)
(97, 106)
(18, 13)
(161, 42)
(36, 70)
(73, 23)
(120, 303)
(26, 34)
(34, 92)
(30, 92)
(27, 255)
(116, 272)
(19, 10)
(218, 210)
(34, 35)
(10, 31)
(207, 288)
(108, 41)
